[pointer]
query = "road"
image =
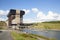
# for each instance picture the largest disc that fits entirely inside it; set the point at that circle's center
(5, 35)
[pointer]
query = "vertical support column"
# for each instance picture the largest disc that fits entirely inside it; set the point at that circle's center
(9, 22)
(21, 19)
(17, 16)
(17, 19)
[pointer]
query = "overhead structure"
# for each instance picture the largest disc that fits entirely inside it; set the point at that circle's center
(15, 17)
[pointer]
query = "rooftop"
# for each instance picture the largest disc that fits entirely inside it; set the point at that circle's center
(13, 12)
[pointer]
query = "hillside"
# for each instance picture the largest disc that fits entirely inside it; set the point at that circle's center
(52, 22)
(47, 25)
(2, 25)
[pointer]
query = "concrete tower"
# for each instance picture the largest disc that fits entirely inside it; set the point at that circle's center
(15, 17)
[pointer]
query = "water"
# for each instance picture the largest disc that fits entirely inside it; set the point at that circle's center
(47, 33)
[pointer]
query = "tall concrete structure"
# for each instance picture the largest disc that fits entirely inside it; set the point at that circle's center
(15, 17)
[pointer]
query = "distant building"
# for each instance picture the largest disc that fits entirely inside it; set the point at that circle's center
(15, 17)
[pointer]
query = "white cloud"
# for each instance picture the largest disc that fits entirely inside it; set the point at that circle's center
(26, 11)
(2, 19)
(2, 12)
(58, 17)
(35, 10)
(27, 21)
(51, 16)
(40, 15)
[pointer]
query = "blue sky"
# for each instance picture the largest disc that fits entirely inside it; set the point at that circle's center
(43, 7)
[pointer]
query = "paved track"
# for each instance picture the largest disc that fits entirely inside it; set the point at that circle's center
(5, 35)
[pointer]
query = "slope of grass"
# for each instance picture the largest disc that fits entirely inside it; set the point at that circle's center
(52, 22)
(47, 25)
(51, 25)
(23, 36)
(2, 25)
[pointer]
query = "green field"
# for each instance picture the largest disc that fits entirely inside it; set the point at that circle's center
(21, 36)
(47, 25)
(25, 36)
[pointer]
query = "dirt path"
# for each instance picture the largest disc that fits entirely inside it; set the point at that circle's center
(5, 35)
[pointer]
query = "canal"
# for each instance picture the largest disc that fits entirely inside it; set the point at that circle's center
(46, 33)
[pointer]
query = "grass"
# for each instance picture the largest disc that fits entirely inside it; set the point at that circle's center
(47, 25)
(3, 27)
(52, 25)
(23, 36)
